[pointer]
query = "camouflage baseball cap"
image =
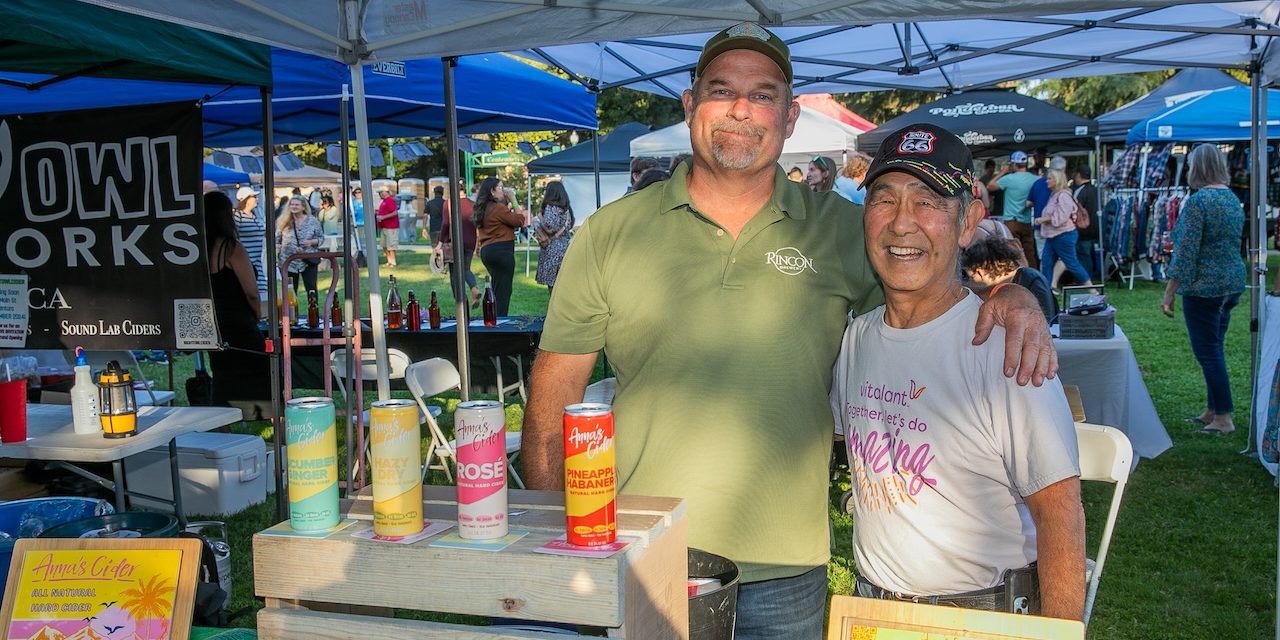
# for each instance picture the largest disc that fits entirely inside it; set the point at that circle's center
(746, 35)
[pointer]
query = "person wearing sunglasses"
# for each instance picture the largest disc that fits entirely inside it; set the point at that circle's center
(822, 174)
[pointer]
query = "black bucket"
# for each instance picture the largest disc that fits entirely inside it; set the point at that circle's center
(712, 615)
(129, 524)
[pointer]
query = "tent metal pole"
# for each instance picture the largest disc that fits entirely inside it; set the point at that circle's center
(370, 237)
(273, 312)
(595, 162)
(1102, 226)
(1257, 241)
(350, 271)
(528, 243)
(460, 293)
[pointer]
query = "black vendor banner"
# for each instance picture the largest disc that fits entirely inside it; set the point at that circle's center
(102, 211)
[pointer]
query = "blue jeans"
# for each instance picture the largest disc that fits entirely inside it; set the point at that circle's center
(1062, 247)
(1207, 320)
(791, 608)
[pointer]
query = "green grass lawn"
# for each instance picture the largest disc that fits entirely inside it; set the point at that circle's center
(1193, 555)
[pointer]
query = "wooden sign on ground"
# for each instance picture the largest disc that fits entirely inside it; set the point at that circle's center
(854, 618)
(73, 589)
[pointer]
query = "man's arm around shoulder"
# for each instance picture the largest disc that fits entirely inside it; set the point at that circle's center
(1059, 520)
(557, 380)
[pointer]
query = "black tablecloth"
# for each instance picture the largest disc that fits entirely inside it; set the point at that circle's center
(517, 336)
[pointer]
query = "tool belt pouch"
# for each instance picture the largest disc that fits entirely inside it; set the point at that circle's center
(1022, 590)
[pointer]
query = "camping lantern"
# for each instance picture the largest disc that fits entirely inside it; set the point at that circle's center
(117, 405)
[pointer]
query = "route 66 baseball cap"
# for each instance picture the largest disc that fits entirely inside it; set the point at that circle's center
(930, 153)
(746, 35)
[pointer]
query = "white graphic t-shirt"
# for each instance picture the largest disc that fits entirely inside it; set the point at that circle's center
(942, 447)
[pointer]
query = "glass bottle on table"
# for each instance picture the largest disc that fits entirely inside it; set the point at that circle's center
(395, 312)
(335, 312)
(490, 306)
(413, 313)
(313, 310)
(433, 312)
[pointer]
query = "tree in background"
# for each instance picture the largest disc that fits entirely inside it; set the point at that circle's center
(883, 106)
(1093, 96)
(621, 105)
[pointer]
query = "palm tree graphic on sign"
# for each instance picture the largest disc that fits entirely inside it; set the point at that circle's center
(149, 600)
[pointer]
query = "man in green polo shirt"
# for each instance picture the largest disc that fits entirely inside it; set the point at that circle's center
(720, 297)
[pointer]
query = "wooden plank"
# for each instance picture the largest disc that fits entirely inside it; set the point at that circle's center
(655, 592)
(850, 614)
(300, 624)
(1075, 402)
(514, 583)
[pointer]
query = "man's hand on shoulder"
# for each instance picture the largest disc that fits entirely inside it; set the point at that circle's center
(1028, 345)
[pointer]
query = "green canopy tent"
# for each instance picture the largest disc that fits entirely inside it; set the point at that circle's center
(64, 39)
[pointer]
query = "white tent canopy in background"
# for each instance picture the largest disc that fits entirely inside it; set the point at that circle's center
(815, 133)
(304, 177)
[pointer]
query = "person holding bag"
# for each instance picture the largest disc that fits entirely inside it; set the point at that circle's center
(1058, 227)
(553, 229)
(496, 224)
(297, 231)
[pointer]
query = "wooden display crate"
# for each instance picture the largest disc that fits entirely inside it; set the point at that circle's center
(346, 587)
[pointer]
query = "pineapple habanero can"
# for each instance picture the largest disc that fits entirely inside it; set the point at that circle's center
(396, 448)
(590, 475)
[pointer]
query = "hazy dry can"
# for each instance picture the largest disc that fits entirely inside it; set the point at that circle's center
(590, 475)
(480, 427)
(395, 444)
(313, 464)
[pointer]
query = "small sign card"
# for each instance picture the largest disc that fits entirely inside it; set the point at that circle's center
(134, 589)
(284, 529)
(561, 547)
(430, 529)
(454, 541)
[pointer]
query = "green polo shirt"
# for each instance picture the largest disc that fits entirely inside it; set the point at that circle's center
(723, 350)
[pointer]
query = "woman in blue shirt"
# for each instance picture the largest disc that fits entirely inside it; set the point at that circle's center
(1209, 274)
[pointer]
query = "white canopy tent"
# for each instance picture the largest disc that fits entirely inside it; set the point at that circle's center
(815, 133)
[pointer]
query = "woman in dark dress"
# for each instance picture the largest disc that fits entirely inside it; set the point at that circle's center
(241, 372)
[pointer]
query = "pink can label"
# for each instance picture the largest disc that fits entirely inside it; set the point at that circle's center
(482, 470)
(482, 455)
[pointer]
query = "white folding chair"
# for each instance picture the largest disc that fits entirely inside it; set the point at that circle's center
(146, 396)
(397, 362)
(1105, 456)
(433, 377)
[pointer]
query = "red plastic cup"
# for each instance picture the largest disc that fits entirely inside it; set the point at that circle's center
(13, 411)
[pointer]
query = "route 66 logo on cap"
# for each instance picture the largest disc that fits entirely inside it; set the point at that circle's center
(916, 141)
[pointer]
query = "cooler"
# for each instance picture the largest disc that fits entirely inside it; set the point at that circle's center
(220, 473)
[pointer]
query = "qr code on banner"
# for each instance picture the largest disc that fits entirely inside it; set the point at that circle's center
(194, 324)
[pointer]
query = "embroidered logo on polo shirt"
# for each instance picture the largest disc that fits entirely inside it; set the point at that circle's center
(789, 260)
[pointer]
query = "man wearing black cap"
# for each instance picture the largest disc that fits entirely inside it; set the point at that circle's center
(966, 485)
(720, 296)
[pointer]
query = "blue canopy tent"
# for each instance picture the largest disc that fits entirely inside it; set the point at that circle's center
(1222, 115)
(1113, 126)
(495, 93)
(224, 177)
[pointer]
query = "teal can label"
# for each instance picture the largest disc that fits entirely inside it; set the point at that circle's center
(312, 440)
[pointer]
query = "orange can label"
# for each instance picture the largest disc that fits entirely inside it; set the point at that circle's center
(590, 475)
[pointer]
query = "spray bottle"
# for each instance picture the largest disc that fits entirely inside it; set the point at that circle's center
(84, 398)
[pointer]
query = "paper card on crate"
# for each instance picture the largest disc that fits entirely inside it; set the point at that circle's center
(284, 529)
(430, 529)
(453, 541)
(854, 618)
(561, 547)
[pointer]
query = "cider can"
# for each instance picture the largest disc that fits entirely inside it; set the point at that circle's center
(312, 441)
(481, 431)
(395, 446)
(590, 475)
